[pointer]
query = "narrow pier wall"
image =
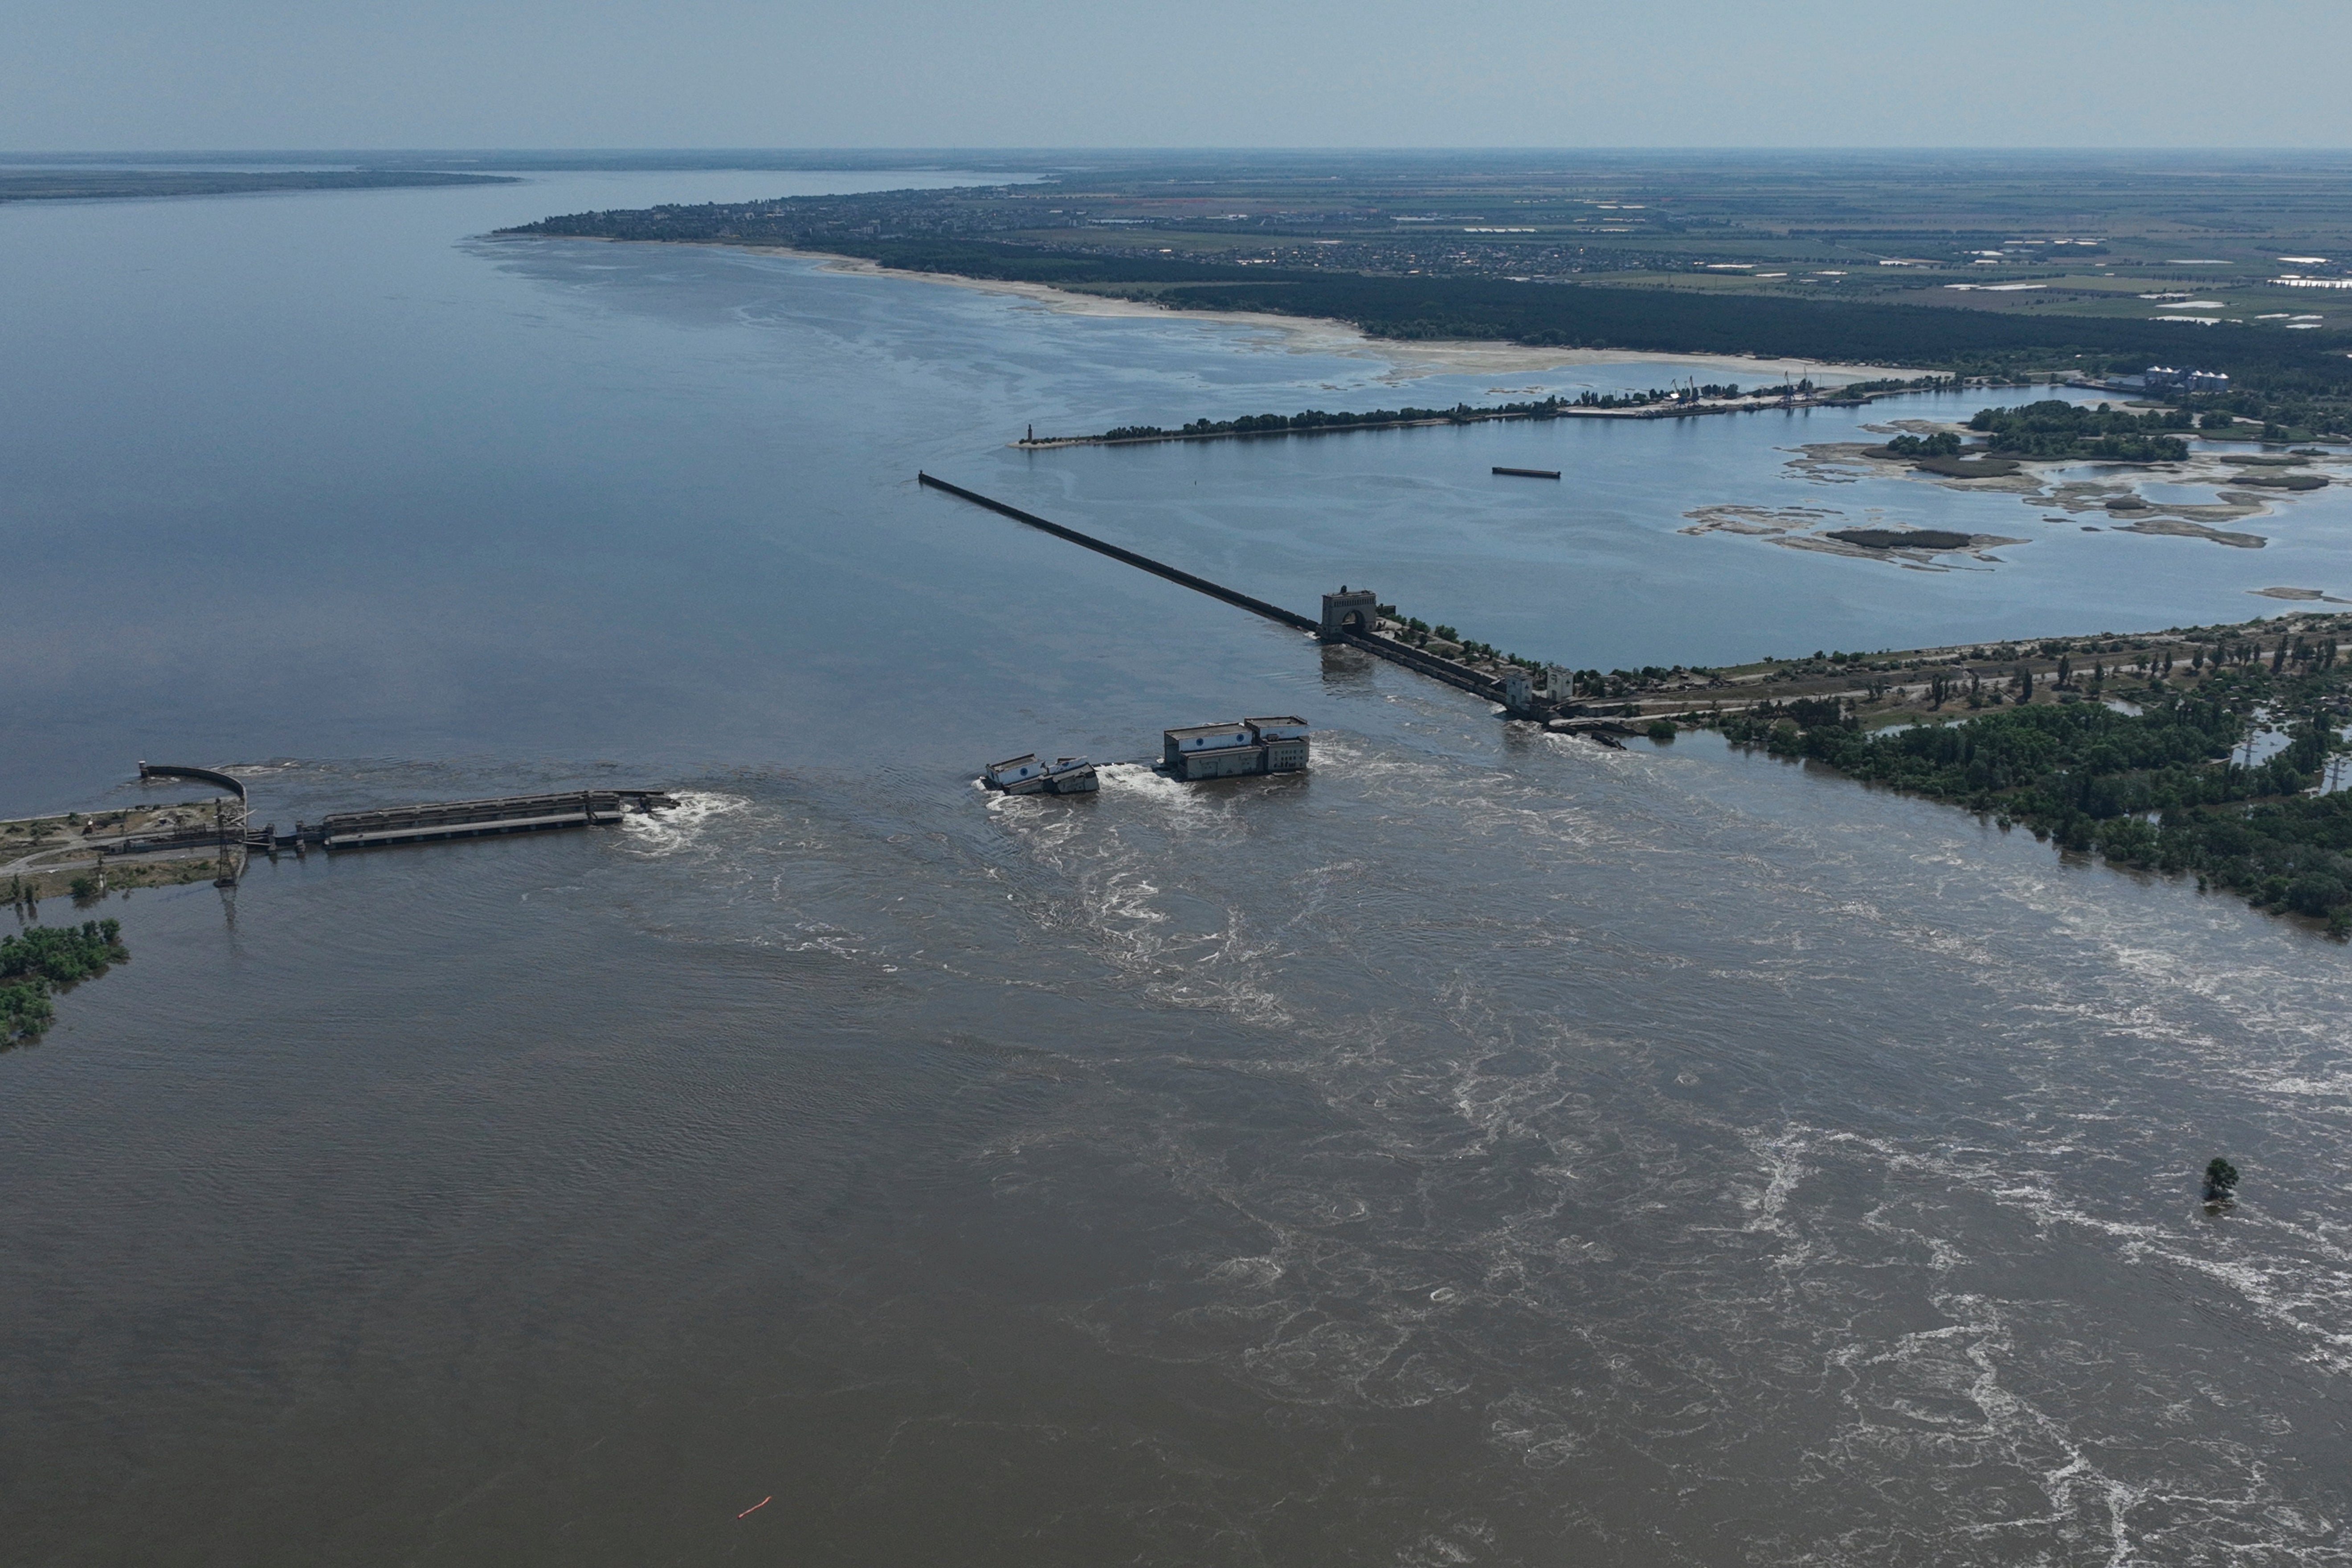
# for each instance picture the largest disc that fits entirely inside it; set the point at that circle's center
(1412, 659)
(1157, 568)
(227, 783)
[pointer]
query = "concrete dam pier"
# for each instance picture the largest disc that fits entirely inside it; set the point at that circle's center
(232, 836)
(479, 818)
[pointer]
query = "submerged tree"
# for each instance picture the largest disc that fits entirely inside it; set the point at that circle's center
(2220, 1180)
(43, 957)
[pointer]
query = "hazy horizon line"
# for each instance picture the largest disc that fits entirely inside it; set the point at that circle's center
(1529, 150)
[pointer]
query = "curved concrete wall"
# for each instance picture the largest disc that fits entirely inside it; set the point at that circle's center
(203, 775)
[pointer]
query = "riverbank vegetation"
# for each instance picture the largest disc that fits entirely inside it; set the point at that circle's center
(2175, 783)
(2195, 751)
(1709, 397)
(1311, 420)
(41, 959)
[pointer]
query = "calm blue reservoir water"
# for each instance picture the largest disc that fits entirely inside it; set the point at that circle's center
(1486, 1148)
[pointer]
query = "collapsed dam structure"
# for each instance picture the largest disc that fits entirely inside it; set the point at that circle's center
(478, 818)
(232, 836)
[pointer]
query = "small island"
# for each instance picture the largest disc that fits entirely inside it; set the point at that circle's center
(2048, 431)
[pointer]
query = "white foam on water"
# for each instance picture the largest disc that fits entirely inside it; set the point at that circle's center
(1179, 806)
(1499, 1213)
(1926, 1405)
(680, 827)
(1784, 1167)
(2295, 1277)
(2336, 1088)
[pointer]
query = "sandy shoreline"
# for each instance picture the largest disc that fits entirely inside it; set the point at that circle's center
(1321, 335)
(1411, 358)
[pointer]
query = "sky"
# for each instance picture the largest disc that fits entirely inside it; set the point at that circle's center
(176, 75)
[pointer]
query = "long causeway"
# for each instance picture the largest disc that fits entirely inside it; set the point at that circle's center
(1411, 658)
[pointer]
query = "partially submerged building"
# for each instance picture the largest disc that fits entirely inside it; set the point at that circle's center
(1029, 774)
(1024, 774)
(1276, 744)
(1538, 693)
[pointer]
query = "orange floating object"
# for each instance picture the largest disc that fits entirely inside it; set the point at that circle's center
(757, 1507)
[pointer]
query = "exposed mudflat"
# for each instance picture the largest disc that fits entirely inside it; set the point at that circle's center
(2119, 490)
(1808, 528)
(2140, 498)
(2182, 528)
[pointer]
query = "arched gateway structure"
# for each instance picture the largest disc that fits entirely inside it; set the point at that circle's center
(1356, 610)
